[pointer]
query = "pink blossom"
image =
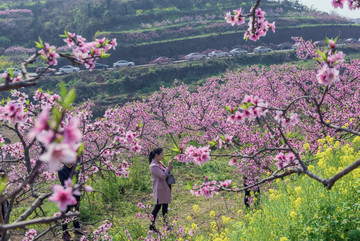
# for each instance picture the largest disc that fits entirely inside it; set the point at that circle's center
(239, 19)
(239, 118)
(247, 98)
(225, 183)
(271, 26)
(56, 153)
(231, 118)
(294, 119)
(198, 155)
(30, 235)
(338, 3)
(327, 76)
(233, 162)
(228, 138)
(230, 19)
(71, 133)
(88, 188)
(62, 196)
(332, 44)
(140, 205)
(41, 123)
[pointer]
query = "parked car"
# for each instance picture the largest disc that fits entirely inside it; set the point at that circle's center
(295, 46)
(68, 69)
(162, 60)
(237, 51)
(351, 40)
(123, 63)
(101, 66)
(15, 71)
(218, 54)
(45, 70)
(195, 56)
(282, 46)
(262, 49)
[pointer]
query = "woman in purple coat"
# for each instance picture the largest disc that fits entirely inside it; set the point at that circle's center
(161, 189)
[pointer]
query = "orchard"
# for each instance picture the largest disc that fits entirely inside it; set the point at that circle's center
(281, 128)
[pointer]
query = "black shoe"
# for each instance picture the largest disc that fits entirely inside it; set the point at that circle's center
(152, 228)
(66, 236)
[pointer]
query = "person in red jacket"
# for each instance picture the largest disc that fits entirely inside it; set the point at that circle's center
(161, 189)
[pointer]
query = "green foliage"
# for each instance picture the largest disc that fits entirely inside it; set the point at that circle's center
(4, 41)
(299, 208)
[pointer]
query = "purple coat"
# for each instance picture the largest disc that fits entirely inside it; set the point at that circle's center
(161, 189)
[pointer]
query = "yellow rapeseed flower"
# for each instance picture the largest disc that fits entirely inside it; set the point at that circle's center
(188, 218)
(283, 239)
(293, 214)
(225, 219)
(212, 214)
(297, 202)
(297, 190)
(196, 208)
(311, 168)
(306, 146)
(194, 226)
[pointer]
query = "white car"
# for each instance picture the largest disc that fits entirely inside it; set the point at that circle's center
(68, 69)
(237, 51)
(218, 54)
(123, 63)
(295, 46)
(195, 56)
(262, 49)
(15, 71)
(351, 41)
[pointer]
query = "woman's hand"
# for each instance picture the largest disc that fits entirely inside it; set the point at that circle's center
(170, 167)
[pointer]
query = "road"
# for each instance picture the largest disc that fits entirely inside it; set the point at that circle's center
(175, 62)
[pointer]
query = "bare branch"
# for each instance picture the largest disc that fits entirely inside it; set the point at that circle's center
(36, 221)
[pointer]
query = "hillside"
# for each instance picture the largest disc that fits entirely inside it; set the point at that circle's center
(136, 22)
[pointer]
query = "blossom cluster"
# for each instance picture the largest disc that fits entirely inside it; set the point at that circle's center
(13, 112)
(291, 121)
(252, 108)
(18, 50)
(30, 235)
(101, 233)
(207, 189)
(64, 196)
(48, 54)
(196, 155)
(258, 27)
(16, 12)
(62, 144)
(332, 60)
(353, 4)
(88, 52)
(284, 160)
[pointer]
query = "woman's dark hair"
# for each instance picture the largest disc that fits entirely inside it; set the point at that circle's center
(152, 154)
